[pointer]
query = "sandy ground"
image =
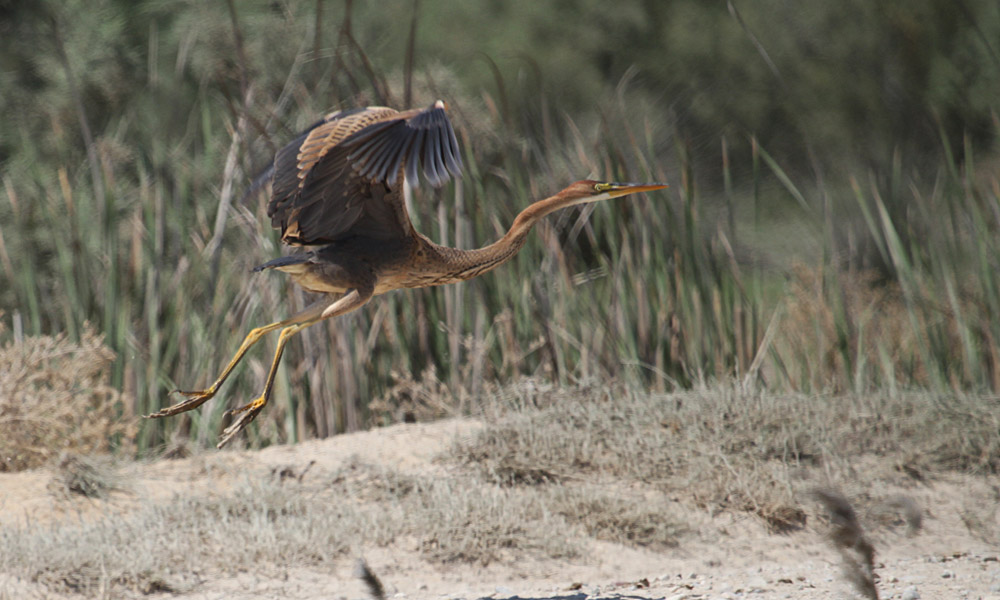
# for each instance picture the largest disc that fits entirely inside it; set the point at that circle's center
(726, 556)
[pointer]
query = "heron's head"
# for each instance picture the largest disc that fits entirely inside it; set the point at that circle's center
(586, 191)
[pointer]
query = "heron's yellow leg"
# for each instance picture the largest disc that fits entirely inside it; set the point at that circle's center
(250, 410)
(350, 301)
(197, 398)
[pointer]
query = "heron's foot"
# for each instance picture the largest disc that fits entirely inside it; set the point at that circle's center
(194, 400)
(247, 414)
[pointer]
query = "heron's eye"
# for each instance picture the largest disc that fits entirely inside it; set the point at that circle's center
(602, 187)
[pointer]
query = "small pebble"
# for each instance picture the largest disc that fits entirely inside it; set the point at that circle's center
(947, 575)
(910, 593)
(757, 584)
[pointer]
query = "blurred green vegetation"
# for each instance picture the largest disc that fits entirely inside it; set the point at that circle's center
(855, 80)
(827, 226)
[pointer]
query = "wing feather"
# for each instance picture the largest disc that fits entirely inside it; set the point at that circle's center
(412, 164)
(390, 153)
(340, 177)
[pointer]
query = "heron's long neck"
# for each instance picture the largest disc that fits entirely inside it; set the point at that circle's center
(460, 264)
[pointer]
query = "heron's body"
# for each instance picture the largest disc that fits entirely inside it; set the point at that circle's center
(338, 188)
(395, 264)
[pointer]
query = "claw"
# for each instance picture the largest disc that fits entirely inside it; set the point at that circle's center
(194, 400)
(249, 413)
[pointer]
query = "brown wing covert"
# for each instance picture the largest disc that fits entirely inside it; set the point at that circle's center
(341, 177)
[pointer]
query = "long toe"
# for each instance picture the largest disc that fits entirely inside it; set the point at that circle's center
(194, 400)
(247, 414)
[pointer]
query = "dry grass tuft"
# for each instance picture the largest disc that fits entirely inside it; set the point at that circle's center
(55, 398)
(728, 448)
(849, 539)
(91, 579)
(170, 545)
(628, 520)
(458, 522)
(412, 400)
(897, 511)
(88, 476)
(486, 524)
(980, 513)
(480, 521)
(265, 521)
(508, 470)
(781, 518)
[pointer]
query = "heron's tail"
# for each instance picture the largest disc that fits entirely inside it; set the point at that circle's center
(283, 261)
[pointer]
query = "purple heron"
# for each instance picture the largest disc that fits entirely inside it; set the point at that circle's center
(338, 187)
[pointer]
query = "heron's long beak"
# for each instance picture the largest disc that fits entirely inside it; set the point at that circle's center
(623, 189)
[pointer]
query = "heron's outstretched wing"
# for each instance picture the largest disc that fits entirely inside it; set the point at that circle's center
(342, 176)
